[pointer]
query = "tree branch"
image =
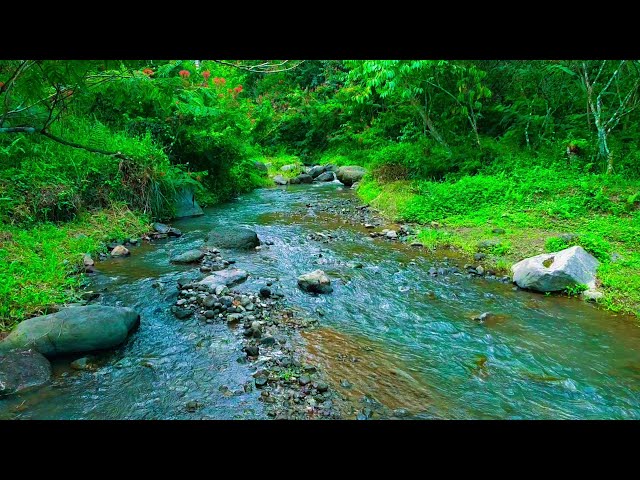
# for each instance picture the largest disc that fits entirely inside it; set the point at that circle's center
(119, 155)
(263, 67)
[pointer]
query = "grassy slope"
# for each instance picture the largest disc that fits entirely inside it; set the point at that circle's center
(38, 266)
(532, 207)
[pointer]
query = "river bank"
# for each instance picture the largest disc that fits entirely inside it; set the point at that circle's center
(496, 238)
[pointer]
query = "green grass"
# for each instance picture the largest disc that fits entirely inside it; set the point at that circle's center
(534, 206)
(39, 266)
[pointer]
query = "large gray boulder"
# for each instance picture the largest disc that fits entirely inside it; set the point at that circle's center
(326, 177)
(73, 330)
(350, 175)
(280, 180)
(190, 256)
(236, 238)
(186, 205)
(317, 170)
(22, 370)
(286, 168)
(315, 282)
(302, 178)
(553, 272)
(228, 277)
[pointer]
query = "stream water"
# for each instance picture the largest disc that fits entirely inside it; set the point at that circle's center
(389, 331)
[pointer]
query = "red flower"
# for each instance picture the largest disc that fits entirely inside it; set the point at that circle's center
(238, 89)
(219, 81)
(184, 73)
(206, 74)
(148, 72)
(1, 84)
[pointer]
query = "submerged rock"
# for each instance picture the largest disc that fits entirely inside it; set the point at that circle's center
(22, 370)
(315, 282)
(73, 330)
(238, 238)
(190, 256)
(350, 175)
(552, 272)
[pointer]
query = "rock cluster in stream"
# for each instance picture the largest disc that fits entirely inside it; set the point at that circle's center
(290, 388)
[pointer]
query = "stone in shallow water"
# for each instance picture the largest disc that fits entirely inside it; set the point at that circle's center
(315, 282)
(22, 370)
(228, 278)
(190, 256)
(73, 330)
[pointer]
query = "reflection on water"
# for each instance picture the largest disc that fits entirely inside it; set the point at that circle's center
(390, 330)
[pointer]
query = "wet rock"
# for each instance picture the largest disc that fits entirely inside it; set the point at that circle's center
(268, 341)
(261, 381)
(228, 278)
(551, 272)
(209, 301)
(480, 270)
(326, 177)
(73, 330)
(237, 238)
(251, 350)
(350, 175)
(280, 180)
(120, 251)
(321, 386)
(317, 170)
(23, 370)
(303, 178)
(181, 313)
(89, 264)
(400, 413)
(304, 380)
(161, 227)
(193, 405)
(83, 363)
(498, 231)
(174, 232)
(265, 292)
(391, 234)
(433, 271)
(482, 317)
(190, 256)
(209, 314)
(315, 282)
(479, 257)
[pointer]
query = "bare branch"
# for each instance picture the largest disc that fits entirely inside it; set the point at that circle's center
(265, 67)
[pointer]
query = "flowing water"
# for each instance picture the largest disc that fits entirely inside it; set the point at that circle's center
(394, 333)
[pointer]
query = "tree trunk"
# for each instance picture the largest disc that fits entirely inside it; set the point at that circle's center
(428, 124)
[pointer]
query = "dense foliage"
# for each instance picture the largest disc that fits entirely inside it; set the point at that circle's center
(445, 140)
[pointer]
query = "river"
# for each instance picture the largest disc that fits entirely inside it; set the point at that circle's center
(389, 332)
